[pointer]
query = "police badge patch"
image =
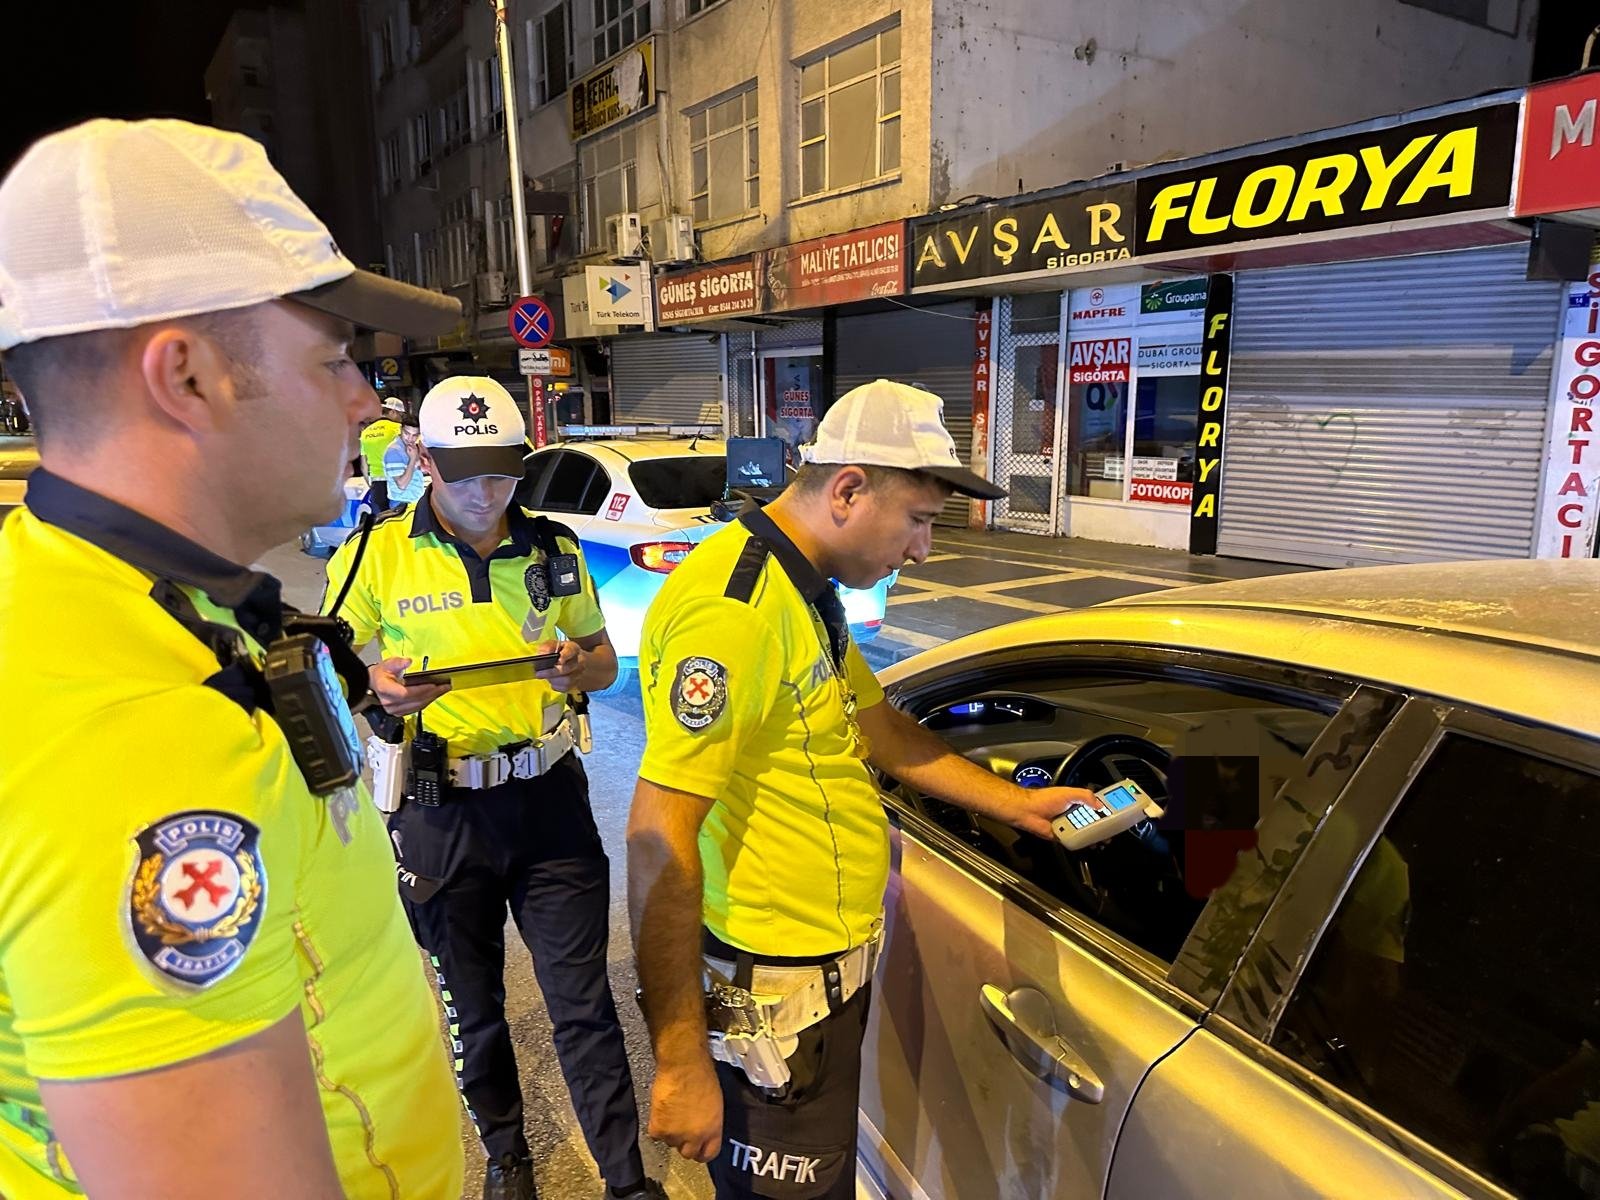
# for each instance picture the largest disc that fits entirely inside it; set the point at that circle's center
(537, 581)
(699, 693)
(197, 895)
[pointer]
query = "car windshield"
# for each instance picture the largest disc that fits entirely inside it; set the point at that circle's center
(685, 481)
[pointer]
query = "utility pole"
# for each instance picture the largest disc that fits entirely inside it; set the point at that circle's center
(537, 418)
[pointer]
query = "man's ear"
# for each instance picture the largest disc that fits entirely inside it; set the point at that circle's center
(426, 459)
(188, 378)
(844, 490)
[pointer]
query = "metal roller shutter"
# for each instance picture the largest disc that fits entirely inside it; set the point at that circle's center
(673, 379)
(930, 347)
(1390, 411)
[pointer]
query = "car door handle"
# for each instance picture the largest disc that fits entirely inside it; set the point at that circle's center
(1024, 1021)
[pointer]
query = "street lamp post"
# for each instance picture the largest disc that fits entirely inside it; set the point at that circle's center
(519, 212)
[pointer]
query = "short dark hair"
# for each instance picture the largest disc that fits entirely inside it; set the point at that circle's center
(813, 477)
(61, 377)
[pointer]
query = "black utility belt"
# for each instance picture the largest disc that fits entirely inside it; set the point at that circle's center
(434, 770)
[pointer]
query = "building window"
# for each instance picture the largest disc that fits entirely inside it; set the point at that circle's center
(428, 270)
(551, 65)
(693, 8)
(492, 108)
(724, 157)
(850, 115)
(502, 245)
(618, 24)
(610, 184)
(454, 121)
(456, 252)
(1499, 15)
(383, 43)
(422, 143)
(389, 163)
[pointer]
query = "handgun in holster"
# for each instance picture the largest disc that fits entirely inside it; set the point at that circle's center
(741, 1036)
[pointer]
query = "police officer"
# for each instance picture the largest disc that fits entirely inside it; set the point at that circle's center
(195, 946)
(757, 845)
(466, 576)
(376, 439)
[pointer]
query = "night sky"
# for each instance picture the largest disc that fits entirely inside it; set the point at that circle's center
(61, 62)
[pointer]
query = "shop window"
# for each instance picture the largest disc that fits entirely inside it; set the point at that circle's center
(1455, 991)
(618, 24)
(550, 58)
(724, 157)
(850, 114)
(1097, 416)
(1165, 422)
(610, 183)
(1033, 424)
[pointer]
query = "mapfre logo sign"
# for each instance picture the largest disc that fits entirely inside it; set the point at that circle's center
(1560, 158)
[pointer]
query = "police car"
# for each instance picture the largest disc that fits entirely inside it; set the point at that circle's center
(640, 500)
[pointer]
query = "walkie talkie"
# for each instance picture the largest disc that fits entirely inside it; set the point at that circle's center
(430, 768)
(309, 705)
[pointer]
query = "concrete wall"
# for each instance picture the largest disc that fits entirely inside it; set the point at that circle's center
(1019, 102)
(751, 39)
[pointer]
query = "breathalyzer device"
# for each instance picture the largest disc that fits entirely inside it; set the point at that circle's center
(1125, 805)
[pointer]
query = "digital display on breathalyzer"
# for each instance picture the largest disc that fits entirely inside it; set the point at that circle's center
(1118, 798)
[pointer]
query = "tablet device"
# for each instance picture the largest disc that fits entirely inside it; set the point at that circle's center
(471, 675)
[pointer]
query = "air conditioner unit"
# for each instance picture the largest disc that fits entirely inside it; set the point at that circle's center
(625, 237)
(672, 240)
(492, 288)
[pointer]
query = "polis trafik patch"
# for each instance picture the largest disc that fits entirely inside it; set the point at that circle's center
(699, 693)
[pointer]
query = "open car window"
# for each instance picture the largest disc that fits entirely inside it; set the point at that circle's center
(1212, 750)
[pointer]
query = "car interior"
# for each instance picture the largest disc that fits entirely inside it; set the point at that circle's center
(1209, 755)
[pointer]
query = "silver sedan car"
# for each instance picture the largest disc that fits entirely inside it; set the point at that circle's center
(1359, 955)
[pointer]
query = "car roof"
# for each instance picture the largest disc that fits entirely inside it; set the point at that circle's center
(636, 449)
(1508, 636)
(1549, 603)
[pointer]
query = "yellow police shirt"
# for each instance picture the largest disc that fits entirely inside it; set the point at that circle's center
(743, 705)
(168, 884)
(425, 594)
(375, 439)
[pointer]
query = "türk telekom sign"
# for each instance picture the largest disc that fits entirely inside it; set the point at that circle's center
(1560, 169)
(1572, 468)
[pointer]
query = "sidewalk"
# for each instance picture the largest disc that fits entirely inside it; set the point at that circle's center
(976, 580)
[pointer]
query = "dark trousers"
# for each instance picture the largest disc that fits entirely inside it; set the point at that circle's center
(799, 1144)
(530, 845)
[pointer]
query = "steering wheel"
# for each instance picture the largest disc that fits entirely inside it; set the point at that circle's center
(1102, 761)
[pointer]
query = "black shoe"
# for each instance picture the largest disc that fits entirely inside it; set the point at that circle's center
(648, 1190)
(509, 1178)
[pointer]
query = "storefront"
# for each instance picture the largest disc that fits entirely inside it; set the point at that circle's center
(1388, 411)
(768, 310)
(1327, 351)
(668, 378)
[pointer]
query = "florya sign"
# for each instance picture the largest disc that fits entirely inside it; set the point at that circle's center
(1213, 408)
(1444, 165)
